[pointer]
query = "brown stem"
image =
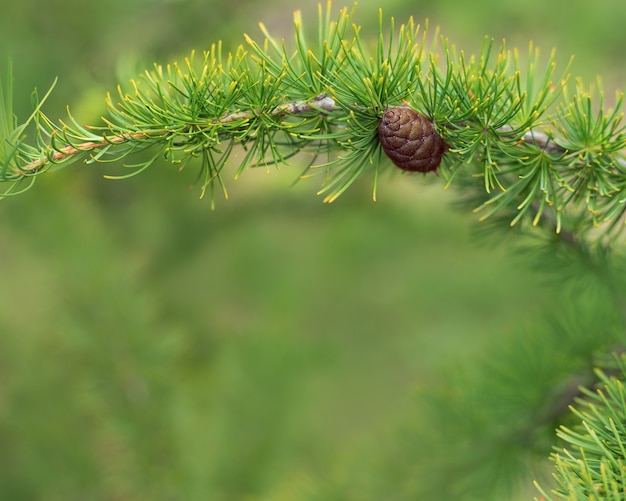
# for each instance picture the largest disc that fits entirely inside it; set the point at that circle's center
(69, 150)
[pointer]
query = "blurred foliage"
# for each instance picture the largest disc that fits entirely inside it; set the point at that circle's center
(277, 348)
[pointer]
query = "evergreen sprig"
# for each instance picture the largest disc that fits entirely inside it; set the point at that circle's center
(517, 137)
(592, 465)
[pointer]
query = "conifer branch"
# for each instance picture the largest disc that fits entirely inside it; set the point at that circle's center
(319, 104)
(592, 465)
(516, 136)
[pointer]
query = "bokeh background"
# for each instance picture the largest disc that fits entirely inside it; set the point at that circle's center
(272, 349)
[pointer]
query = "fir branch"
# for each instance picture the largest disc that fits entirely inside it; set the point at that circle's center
(517, 137)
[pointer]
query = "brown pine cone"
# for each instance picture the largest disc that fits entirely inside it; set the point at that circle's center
(409, 139)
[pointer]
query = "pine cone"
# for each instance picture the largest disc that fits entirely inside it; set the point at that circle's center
(409, 139)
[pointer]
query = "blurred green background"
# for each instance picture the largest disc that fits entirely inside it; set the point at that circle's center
(153, 349)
